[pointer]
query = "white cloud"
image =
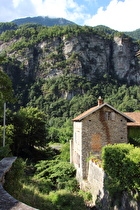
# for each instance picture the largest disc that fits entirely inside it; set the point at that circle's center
(68, 9)
(122, 16)
(53, 8)
(16, 3)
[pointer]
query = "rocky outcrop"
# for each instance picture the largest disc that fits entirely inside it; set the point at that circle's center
(125, 60)
(84, 55)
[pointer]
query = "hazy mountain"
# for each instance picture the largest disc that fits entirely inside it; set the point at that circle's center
(43, 21)
(134, 34)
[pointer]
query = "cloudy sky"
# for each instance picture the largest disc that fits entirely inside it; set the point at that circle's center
(121, 15)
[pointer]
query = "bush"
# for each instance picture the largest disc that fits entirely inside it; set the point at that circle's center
(121, 164)
(65, 152)
(60, 174)
(5, 152)
(63, 200)
(86, 195)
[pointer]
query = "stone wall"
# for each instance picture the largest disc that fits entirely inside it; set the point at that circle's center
(96, 177)
(100, 197)
(76, 149)
(97, 131)
(7, 202)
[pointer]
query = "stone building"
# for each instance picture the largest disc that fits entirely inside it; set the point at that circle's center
(93, 129)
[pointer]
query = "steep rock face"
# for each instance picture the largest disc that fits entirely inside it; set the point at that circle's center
(124, 60)
(83, 55)
(93, 53)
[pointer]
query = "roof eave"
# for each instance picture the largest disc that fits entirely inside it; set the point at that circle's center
(99, 107)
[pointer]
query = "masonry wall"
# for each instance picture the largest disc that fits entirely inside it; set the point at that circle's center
(77, 150)
(100, 196)
(96, 178)
(98, 131)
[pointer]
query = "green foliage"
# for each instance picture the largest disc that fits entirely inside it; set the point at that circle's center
(9, 130)
(37, 190)
(65, 152)
(7, 26)
(121, 163)
(120, 34)
(64, 200)
(134, 135)
(60, 133)
(7, 35)
(6, 91)
(134, 34)
(86, 195)
(29, 130)
(5, 151)
(40, 33)
(14, 178)
(61, 97)
(124, 98)
(60, 174)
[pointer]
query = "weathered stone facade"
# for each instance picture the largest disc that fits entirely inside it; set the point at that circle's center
(100, 196)
(96, 128)
(92, 130)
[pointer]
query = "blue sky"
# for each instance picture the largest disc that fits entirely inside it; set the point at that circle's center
(121, 15)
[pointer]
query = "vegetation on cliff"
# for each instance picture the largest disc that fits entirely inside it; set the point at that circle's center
(61, 95)
(50, 88)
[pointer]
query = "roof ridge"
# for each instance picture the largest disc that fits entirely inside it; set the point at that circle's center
(95, 108)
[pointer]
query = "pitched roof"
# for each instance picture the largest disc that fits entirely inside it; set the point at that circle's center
(135, 116)
(95, 108)
(86, 113)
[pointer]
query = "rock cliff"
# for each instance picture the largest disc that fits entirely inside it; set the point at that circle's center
(87, 55)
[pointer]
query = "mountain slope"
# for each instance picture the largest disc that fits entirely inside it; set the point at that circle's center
(134, 34)
(43, 21)
(50, 66)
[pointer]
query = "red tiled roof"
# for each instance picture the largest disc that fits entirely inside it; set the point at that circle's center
(86, 113)
(95, 108)
(135, 116)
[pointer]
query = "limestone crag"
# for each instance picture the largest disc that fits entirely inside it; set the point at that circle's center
(83, 55)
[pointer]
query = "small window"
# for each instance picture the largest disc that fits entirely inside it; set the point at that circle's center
(106, 115)
(109, 115)
(112, 115)
(77, 136)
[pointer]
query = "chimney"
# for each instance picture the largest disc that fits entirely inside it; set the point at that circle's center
(100, 101)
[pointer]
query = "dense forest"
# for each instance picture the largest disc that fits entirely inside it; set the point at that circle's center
(40, 108)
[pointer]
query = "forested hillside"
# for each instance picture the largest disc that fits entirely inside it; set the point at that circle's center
(62, 70)
(43, 21)
(57, 73)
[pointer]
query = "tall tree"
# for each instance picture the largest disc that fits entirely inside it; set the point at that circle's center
(29, 130)
(6, 90)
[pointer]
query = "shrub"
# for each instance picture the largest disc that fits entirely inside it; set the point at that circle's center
(65, 152)
(121, 164)
(59, 173)
(64, 200)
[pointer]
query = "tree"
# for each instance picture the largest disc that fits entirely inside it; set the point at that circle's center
(6, 92)
(29, 130)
